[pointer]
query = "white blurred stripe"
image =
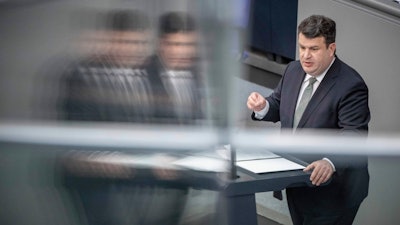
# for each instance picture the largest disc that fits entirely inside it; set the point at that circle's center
(109, 135)
(196, 138)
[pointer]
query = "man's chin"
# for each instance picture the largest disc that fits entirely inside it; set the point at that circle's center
(309, 71)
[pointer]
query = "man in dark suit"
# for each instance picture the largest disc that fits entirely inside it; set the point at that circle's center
(338, 99)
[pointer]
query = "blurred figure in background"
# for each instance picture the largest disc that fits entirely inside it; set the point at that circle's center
(111, 83)
(62, 74)
(115, 86)
(121, 83)
(178, 87)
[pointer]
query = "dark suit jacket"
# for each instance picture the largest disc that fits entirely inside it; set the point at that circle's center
(93, 91)
(340, 103)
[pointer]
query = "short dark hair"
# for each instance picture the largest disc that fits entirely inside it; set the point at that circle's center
(127, 20)
(318, 26)
(175, 22)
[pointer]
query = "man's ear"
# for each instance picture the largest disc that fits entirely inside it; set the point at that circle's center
(332, 48)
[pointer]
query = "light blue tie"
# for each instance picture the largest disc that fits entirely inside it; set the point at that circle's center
(304, 101)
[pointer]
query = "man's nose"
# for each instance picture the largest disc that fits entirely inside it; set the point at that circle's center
(307, 53)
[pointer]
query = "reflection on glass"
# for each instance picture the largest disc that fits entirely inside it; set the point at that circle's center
(112, 84)
(123, 75)
(177, 82)
(145, 65)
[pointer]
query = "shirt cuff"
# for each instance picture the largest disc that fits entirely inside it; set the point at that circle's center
(330, 162)
(261, 114)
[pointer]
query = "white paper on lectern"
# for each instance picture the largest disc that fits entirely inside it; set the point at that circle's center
(269, 165)
(203, 164)
(242, 155)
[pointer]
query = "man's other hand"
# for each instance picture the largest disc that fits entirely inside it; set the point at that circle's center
(256, 102)
(322, 171)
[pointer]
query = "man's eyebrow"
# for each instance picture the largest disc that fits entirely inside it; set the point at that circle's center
(313, 46)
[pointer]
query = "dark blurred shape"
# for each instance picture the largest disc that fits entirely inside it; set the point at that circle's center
(175, 22)
(124, 20)
(177, 83)
(111, 84)
(178, 40)
(130, 39)
(106, 189)
(118, 82)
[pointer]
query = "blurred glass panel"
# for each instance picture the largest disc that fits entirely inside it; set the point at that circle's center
(111, 111)
(159, 62)
(101, 175)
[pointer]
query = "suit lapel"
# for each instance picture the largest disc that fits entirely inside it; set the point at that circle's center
(323, 89)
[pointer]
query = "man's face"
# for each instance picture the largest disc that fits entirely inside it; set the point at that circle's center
(178, 51)
(130, 48)
(94, 43)
(315, 56)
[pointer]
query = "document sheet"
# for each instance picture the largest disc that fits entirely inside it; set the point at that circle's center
(264, 162)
